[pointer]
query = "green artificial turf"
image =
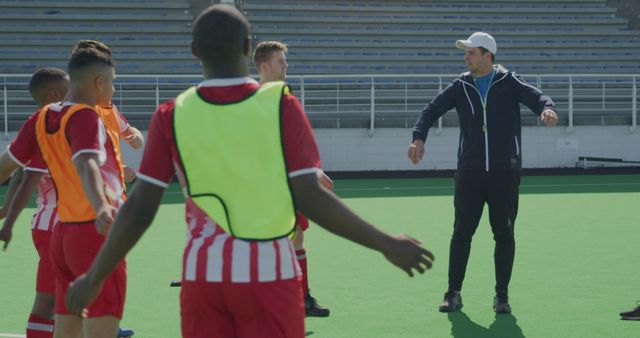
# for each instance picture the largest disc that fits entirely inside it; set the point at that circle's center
(576, 265)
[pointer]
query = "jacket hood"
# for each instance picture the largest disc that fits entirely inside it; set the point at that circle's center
(500, 72)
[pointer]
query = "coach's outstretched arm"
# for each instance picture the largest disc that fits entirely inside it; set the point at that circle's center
(442, 103)
(326, 209)
(133, 219)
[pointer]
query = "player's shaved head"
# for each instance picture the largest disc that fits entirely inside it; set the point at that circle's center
(221, 37)
(48, 84)
(85, 61)
(92, 44)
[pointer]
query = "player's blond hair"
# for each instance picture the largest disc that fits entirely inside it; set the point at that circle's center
(264, 49)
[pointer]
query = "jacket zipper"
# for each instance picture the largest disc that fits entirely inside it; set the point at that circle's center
(484, 116)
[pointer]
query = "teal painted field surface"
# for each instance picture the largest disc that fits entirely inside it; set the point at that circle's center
(576, 265)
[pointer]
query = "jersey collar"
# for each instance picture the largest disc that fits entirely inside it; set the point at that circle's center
(236, 81)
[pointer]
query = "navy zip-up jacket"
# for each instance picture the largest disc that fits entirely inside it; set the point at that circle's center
(499, 147)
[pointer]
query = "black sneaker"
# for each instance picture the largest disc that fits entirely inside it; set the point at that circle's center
(631, 315)
(452, 302)
(313, 309)
(501, 302)
(125, 333)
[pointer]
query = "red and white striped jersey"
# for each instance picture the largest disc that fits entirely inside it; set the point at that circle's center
(46, 215)
(211, 254)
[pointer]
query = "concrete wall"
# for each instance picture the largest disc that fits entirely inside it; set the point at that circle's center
(354, 150)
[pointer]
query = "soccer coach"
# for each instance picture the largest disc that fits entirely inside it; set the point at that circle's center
(487, 99)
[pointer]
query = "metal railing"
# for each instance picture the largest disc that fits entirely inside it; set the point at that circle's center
(370, 100)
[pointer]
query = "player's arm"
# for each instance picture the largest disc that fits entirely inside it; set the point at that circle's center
(129, 173)
(14, 183)
(133, 219)
(326, 209)
(26, 185)
(322, 206)
(7, 165)
(22, 194)
(87, 166)
(133, 136)
(21, 151)
(325, 180)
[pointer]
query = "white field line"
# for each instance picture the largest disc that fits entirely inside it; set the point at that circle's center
(521, 186)
(451, 187)
(569, 185)
(11, 335)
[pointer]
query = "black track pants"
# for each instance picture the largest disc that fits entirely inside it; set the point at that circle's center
(499, 189)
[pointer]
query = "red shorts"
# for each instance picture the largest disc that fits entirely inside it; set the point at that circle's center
(74, 246)
(45, 281)
(242, 310)
(302, 221)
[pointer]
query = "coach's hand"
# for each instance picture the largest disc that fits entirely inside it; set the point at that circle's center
(416, 151)
(5, 236)
(80, 294)
(549, 117)
(104, 218)
(407, 253)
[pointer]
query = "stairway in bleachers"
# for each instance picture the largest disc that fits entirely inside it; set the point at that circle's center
(409, 37)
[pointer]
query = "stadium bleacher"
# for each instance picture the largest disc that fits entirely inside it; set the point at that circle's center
(416, 37)
(336, 37)
(147, 37)
(562, 36)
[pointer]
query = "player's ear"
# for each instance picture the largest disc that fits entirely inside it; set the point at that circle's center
(99, 81)
(55, 94)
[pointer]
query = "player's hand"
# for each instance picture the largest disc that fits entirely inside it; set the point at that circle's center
(416, 151)
(129, 174)
(549, 117)
(408, 254)
(325, 180)
(80, 294)
(104, 218)
(5, 236)
(136, 141)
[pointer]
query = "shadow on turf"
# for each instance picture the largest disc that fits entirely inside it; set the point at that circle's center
(504, 326)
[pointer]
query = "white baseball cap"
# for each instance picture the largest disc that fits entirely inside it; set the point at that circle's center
(479, 39)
